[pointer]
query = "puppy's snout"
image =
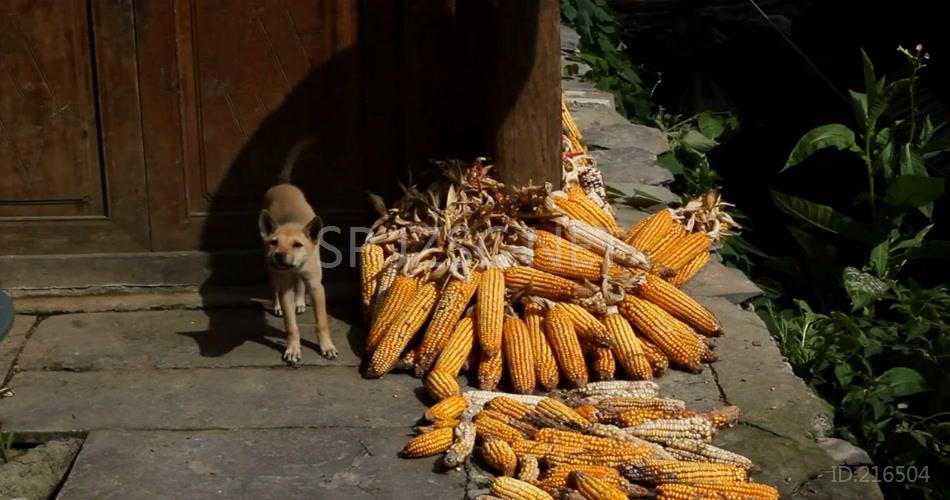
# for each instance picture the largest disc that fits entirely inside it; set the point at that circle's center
(279, 258)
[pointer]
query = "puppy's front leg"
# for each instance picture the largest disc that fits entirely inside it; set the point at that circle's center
(286, 292)
(319, 296)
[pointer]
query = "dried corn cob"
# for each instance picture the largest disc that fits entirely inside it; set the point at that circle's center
(509, 407)
(543, 284)
(674, 471)
(490, 309)
(593, 444)
(594, 488)
(679, 305)
(618, 389)
(674, 338)
(722, 491)
(658, 361)
(614, 432)
(622, 404)
(528, 468)
(603, 363)
(589, 412)
(398, 295)
(489, 370)
(462, 446)
(441, 385)
(727, 416)
(545, 365)
(559, 256)
(627, 348)
(679, 254)
(686, 272)
(499, 455)
(371, 265)
(514, 489)
(516, 343)
(586, 325)
(698, 451)
(602, 243)
(557, 478)
(663, 430)
(560, 413)
(577, 205)
(647, 236)
(428, 444)
(637, 416)
(486, 425)
(408, 360)
(675, 234)
(452, 304)
(448, 408)
(437, 424)
(567, 349)
(457, 349)
(401, 331)
(635, 229)
(477, 398)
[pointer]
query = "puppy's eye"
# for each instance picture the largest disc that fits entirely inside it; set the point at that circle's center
(273, 242)
(298, 244)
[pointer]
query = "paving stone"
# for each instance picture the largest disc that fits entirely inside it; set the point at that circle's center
(631, 165)
(590, 117)
(337, 463)
(181, 339)
(623, 135)
(717, 280)
(645, 195)
(582, 94)
(11, 344)
(627, 216)
(843, 452)
(698, 390)
(570, 39)
(839, 485)
(754, 376)
(200, 398)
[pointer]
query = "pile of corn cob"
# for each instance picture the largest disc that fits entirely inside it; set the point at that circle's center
(608, 440)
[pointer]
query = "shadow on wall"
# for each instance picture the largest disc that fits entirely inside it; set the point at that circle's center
(423, 80)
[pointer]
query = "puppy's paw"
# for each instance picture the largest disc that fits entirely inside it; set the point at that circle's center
(329, 351)
(301, 308)
(292, 354)
(277, 310)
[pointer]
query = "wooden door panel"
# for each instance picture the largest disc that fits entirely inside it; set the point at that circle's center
(72, 179)
(229, 96)
(49, 158)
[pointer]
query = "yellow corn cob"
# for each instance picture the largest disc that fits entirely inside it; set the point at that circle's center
(457, 349)
(621, 404)
(520, 359)
(567, 348)
(489, 371)
(628, 350)
(408, 360)
(438, 424)
(680, 305)
(593, 444)
(589, 412)
(428, 444)
(529, 447)
(699, 451)
(603, 363)
(556, 478)
(727, 416)
(487, 425)
(677, 341)
(452, 304)
(720, 491)
(556, 255)
(545, 365)
(509, 407)
(649, 235)
(586, 325)
(662, 430)
(578, 206)
(401, 331)
(442, 385)
(561, 413)
(677, 255)
(462, 447)
(658, 361)
(490, 309)
(371, 265)
(637, 226)
(637, 416)
(513, 489)
(448, 408)
(614, 432)
(499, 455)
(673, 236)
(594, 488)
(543, 284)
(398, 295)
(610, 459)
(675, 471)
(528, 468)
(689, 270)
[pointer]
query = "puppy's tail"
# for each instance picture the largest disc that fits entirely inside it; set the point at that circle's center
(288, 168)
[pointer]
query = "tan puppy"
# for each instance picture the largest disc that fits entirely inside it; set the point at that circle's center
(290, 233)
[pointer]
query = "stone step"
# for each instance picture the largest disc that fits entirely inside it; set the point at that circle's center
(644, 195)
(332, 463)
(589, 117)
(624, 135)
(570, 39)
(717, 280)
(631, 165)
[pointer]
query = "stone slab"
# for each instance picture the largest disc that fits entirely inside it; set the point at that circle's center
(11, 344)
(587, 118)
(628, 216)
(717, 280)
(624, 135)
(68, 402)
(182, 339)
(570, 39)
(753, 375)
(645, 195)
(698, 390)
(631, 165)
(338, 463)
(585, 96)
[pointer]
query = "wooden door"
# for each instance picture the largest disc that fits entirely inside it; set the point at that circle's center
(229, 88)
(71, 175)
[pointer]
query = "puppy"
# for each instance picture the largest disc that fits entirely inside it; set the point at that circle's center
(290, 233)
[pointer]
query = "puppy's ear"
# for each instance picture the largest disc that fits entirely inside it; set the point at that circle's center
(266, 223)
(312, 229)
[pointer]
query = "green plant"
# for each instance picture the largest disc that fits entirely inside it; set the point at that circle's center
(690, 140)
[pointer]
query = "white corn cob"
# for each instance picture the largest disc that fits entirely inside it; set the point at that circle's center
(478, 398)
(617, 389)
(614, 432)
(698, 451)
(600, 242)
(663, 430)
(462, 447)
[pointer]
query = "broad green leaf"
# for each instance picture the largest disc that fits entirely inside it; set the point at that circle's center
(913, 190)
(914, 242)
(668, 161)
(844, 374)
(879, 258)
(821, 216)
(862, 287)
(698, 141)
(884, 98)
(926, 132)
(710, 125)
(870, 79)
(911, 161)
(834, 135)
(859, 102)
(902, 381)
